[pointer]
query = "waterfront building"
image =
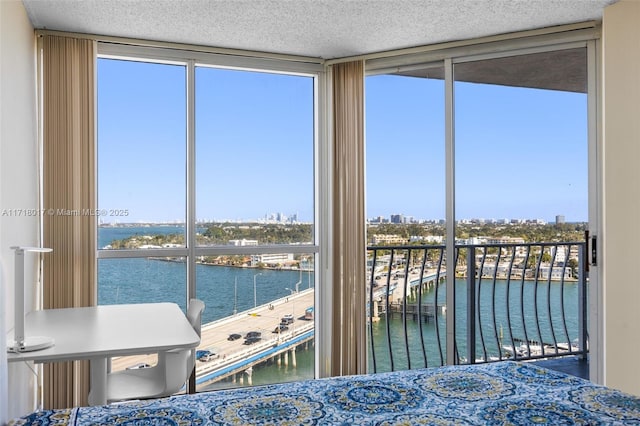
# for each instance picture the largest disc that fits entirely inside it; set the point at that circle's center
(556, 273)
(277, 260)
(433, 239)
(501, 240)
(387, 239)
(243, 242)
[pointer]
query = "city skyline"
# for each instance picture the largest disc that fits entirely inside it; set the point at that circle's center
(271, 218)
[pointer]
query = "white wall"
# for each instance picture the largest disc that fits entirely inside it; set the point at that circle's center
(621, 180)
(18, 180)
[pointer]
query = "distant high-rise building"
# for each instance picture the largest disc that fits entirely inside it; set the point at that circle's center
(559, 219)
(397, 218)
(377, 220)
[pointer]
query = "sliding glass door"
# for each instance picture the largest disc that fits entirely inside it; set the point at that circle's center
(521, 204)
(478, 203)
(406, 230)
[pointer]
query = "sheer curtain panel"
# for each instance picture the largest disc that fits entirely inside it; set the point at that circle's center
(69, 228)
(348, 340)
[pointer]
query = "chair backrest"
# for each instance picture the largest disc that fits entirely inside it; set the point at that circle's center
(178, 364)
(194, 314)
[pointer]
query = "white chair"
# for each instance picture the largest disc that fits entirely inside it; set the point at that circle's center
(165, 378)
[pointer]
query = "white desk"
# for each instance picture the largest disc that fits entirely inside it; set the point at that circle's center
(100, 332)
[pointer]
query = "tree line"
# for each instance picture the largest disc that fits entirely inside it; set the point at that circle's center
(264, 234)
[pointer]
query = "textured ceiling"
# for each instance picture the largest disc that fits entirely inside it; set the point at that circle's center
(564, 70)
(318, 28)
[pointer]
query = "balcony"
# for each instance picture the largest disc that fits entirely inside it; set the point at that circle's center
(525, 301)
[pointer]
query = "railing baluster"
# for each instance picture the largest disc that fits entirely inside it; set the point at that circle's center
(404, 308)
(508, 301)
(479, 311)
(563, 318)
(388, 313)
(524, 323)
(372, 303)
(471, 305)
(493, 302)
(535, 300)
(419, 303)
(435, 317)
(553, 333)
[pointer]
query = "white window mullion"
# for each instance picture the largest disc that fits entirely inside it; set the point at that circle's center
(450, 210)
(595, 296)
(190, 227)
(323, 219)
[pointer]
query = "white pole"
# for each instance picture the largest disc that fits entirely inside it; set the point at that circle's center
(255, 299)
(19, 297)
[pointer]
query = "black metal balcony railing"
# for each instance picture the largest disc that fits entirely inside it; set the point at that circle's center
(512, 301)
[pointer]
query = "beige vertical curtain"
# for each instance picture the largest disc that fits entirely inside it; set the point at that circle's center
(349, 240)
(69, 227)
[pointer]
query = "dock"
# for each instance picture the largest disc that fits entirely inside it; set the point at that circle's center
(426, 311)
(413, 284)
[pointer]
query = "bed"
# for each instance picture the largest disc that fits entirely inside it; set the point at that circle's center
(501, 393)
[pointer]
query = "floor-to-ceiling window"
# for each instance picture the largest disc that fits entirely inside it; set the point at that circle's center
(477, 203)
(207, 183)
(254, 160)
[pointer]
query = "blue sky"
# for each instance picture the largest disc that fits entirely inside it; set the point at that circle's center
(520, 153)
(254, 143)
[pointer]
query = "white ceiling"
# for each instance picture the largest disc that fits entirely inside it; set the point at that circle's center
(317, 28)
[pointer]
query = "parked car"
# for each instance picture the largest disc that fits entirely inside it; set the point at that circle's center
(287, 319)
(204, 355)
(280, 328)
(234, 336)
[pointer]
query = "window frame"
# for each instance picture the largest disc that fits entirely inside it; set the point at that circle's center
(321, 164)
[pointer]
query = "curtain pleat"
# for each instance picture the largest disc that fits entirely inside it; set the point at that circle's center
(348, 337)
(69, 200)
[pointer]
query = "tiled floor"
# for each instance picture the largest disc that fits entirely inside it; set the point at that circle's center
(571, 365)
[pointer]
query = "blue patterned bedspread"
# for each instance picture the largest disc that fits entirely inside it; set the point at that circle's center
(505, 393)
